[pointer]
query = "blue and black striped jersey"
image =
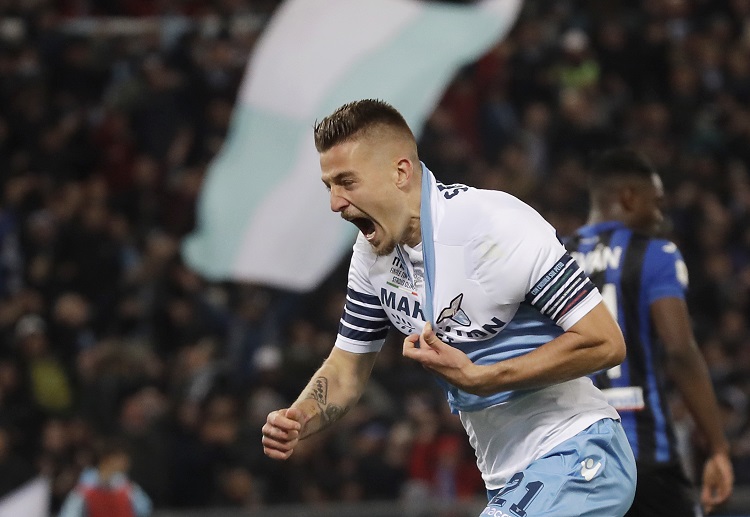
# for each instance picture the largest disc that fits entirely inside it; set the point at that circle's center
(632, 271)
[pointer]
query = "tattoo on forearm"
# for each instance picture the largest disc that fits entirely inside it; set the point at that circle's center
(329, 413)
(319, 391)
(333, 413)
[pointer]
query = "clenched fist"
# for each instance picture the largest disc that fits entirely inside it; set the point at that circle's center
(281, 432)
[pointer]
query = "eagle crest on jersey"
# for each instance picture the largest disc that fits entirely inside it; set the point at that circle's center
(454, 312)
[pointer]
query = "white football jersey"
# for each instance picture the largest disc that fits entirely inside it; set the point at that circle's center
(495, 282)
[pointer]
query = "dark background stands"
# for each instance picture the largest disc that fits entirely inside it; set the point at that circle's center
(104, 141)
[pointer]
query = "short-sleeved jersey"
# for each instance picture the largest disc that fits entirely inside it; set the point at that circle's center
(495, 282)
(632, 271)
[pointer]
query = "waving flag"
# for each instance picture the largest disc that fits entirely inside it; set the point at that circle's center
(263, 214)
(29, 500)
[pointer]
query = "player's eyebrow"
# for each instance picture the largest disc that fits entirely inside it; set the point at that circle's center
(337, 178)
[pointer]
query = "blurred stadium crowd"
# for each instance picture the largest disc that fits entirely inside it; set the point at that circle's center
(106, 133)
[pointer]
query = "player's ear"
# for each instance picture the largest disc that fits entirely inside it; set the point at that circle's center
(627, 197)
(404, 172)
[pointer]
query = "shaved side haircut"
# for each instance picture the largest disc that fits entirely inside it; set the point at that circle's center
(617, 164)
(355, 119)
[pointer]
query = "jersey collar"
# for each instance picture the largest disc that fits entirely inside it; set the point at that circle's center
(428, 240)
(591, 230)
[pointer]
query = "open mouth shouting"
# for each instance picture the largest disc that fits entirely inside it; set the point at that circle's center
(365, 225)
(373, 232)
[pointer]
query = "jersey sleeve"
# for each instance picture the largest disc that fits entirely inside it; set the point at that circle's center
(666, 274)
(522, 260)
(364, 324)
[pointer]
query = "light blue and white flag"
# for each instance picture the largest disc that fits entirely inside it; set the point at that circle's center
(263, 214)
(29, 500)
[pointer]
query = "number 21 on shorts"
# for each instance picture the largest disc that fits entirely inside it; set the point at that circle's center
(498, 504)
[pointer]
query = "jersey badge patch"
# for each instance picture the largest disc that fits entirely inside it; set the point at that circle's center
(455, 313)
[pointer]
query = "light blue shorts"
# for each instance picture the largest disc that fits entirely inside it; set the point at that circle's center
(591, 474)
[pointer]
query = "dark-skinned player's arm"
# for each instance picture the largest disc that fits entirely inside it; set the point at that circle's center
(331, 393)
(592, 344)
(687, 369)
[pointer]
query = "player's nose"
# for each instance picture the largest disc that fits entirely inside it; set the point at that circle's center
(338, 203)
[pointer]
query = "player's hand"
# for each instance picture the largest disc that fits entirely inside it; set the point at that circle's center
(444, 360)
(718, 479)
(281, 432)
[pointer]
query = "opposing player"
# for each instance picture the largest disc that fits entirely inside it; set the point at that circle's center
(643, 280)
(491, 303)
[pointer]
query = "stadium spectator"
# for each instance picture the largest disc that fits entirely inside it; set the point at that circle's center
(105, 490)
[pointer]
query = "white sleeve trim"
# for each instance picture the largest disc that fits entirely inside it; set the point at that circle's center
(580, 310)
(358, 347)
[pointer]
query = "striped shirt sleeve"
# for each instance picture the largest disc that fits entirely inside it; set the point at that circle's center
(564, 294)
(364, 324)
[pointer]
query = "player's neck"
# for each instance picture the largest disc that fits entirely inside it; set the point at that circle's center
(413, 235)
(600, 215)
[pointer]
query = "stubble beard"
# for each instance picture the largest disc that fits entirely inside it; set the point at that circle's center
(384, 249)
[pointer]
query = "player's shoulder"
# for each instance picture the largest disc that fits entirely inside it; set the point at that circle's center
(479, 200)
(663, 262)
(478, 213)
(664, 249)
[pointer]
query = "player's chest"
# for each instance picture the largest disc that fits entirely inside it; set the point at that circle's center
(462, 311)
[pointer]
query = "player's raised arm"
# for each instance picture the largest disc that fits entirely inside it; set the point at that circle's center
(331, 393)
